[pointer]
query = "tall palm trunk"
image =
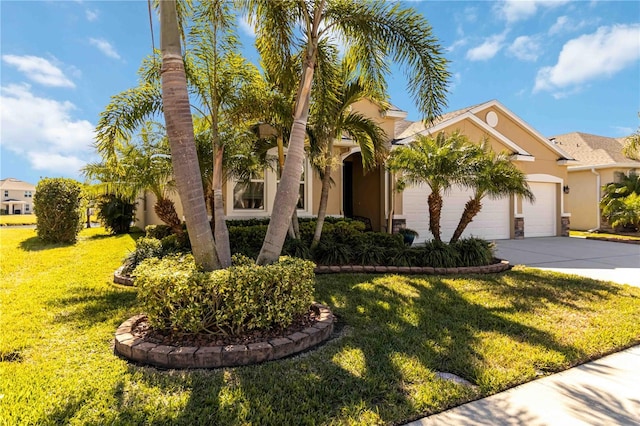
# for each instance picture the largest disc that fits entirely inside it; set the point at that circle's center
(435, 210)
(223, 245)
(287, 194)
(166, 211)
(177, 113)
(471, 209)
(324, 196)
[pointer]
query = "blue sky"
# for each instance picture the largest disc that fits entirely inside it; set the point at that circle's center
(561, 66)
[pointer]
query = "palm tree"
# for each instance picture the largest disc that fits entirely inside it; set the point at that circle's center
(137, 167)
(221, 80)
(632, 145)
(334, 120)
(376, 31)
(439, 162)
(179, 124)
(619, 203)
(491, 175)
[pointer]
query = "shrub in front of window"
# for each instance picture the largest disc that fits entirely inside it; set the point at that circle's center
(58, 206)
(176, 296)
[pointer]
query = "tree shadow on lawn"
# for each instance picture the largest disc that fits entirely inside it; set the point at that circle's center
(385, 369)
(36, 244)
(85, 307)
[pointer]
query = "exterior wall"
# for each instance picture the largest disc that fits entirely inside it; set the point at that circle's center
(584, 197)
(371, 110)
(582, 200)
(145, 213)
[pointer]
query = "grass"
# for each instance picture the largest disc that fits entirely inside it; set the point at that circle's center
(603, 235)
(60, 311)
(17, 219)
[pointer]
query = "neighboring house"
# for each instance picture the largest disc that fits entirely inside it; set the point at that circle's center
(17, 196)
(599, 161)
(371, 195)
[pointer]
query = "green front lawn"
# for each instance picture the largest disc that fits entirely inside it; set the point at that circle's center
(60, 311)
(17, 219)
(603, 235)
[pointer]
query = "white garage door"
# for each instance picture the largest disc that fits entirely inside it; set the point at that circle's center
(491, 223)
(540, 217)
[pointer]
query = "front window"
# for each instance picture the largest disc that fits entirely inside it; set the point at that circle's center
(26, 208)
(6, 193)
(27, 194)
(249, 195)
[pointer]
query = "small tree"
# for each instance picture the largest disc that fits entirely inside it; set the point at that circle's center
(620, 203)
(58, 207)
(116, 213)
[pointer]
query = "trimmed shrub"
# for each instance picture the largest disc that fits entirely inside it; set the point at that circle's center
(158, 231)
(474, 251)
(57, 203)
(177, 296)
(115, 213)
(247, 240)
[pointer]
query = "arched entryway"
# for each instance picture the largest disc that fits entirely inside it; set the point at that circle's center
(363, 194)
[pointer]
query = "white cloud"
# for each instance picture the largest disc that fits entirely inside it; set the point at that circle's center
(245, 26)
(458, 43)
(64, 164)
(591, 56)
(43, 131)
(525, 48)
(39, 70)
(91, 15)
(559, 26)
(488, 49)
(564, 24)
(105, 47)
(518, 10)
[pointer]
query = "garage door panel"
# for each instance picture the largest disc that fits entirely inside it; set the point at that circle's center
(491, 223)
(540, 216)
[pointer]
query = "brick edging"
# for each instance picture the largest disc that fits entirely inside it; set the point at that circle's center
(180, 357)
(118, 278)
(500, 266)
(494, 268)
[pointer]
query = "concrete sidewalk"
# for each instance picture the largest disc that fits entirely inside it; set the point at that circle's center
(602, 392)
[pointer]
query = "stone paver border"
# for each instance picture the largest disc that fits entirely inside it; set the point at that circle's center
(118, 278)
(181, 357)
(500, 266)
(494, 268)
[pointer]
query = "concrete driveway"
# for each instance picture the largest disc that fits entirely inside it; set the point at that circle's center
(602, 260)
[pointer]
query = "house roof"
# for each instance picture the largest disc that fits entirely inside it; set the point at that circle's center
(16, 184)
(593, 150)
(409, 132)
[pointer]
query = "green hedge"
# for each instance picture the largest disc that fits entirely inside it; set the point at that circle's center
(178, 297)
(342, 243)
(58, 206)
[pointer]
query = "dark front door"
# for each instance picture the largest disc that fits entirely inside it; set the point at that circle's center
(347, 188)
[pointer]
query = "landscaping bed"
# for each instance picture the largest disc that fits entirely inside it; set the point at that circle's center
(398, 331)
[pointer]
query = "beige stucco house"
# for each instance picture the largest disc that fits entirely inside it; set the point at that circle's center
(371, 195)
(599, 161)
(17, 196)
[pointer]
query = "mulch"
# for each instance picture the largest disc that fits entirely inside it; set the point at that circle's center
(165, 337)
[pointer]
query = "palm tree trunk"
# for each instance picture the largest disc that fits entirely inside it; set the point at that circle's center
(166, 211)
(179, 124)
(287, 194)
(435, 210)
(471, 209)
(324, 196)
(223, 245)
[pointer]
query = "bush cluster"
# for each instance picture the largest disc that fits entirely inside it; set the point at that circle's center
(178, 297)
(58, 206)
(342, 243)
(115, 213)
